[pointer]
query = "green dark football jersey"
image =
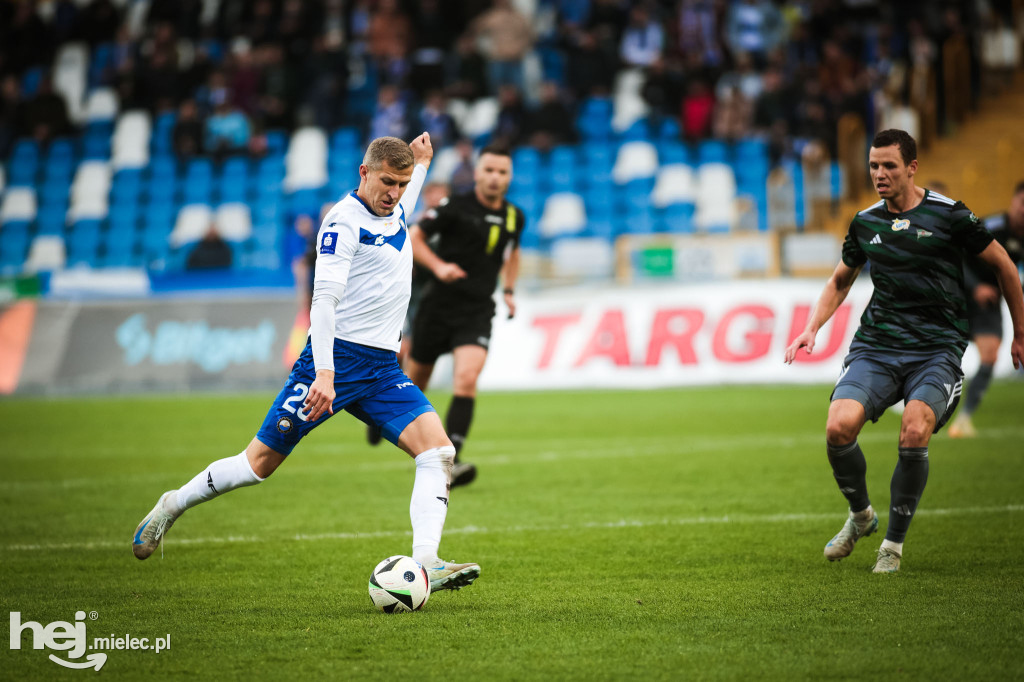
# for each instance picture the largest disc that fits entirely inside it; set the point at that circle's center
(916, 265)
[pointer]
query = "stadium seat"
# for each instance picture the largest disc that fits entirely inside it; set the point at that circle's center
(45, 254)
(441, 168)
(162, 138)
(234, 222)
(14, 239)
(130, 145)
(83, 243)
(277, 142)
(673, 151)
(346, 139)
(564, 169)
(51, 219)
(716, 198)
(635, 160)
(564, 214)
(674, 185)
(306, 160)
(677, 218)
(628, 104)
(712, 151)
(101, 105)
(192, 223)
(90, 190)
(481, 118)
(19, 203)
(69, 76)
(54, 192)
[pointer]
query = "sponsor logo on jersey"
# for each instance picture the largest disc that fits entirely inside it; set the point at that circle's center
(900, 224)
(404, 384)
(396, 240)
(209, 482)
(284, 424)
(329, 243)
(496, 220)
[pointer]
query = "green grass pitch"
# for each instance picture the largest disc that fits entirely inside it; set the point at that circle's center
(672, 534)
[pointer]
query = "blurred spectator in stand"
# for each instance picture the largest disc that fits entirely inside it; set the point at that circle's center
(466, 70)
(11, 108)
(210, 253)
(753, 26)
(590, 69)
(188, 131)
(26, 39)
(813, 121)
(63, 21)
(434, 119)
(697, 108)
(435, 36)
(388, 40)
(505, 36)
(550, 123)
(733, 114)
(643, 40)
(45, 116)
(510, 126)
(157, 86)
(227, 130)
(663, 90)
(325, 76)
(462, 179)
(392, 115)
(276, 91)
(771, 113)
(245, 77)
(183, 15)
(698, 30)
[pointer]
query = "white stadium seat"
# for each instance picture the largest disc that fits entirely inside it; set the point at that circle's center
(130, 145)
(45, 254)
(674, 185)
(19, 203)
(234, 222)
(482, 117)
(102, 105)
(716, 197)
(90, 190)
(306, 160)
(564, 214)
(69, 77)
(636, 160)
(443, 165)
(192, 224)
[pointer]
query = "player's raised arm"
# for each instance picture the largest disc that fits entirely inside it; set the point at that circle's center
(832, 296)
(995, 256)
(423, 153)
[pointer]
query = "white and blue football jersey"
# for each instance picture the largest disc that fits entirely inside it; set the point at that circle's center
(371, 256)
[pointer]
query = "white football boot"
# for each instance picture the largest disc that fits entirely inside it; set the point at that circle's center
(842, 544)
(888, 561)
(152, 529)
(445, 575)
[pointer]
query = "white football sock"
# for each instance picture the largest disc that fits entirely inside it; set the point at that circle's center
(894, 546)
(218, 478)
(429, 504)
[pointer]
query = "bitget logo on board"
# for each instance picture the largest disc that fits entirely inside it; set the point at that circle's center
(71, 640)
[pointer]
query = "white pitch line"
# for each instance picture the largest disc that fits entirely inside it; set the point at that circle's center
(478, 530)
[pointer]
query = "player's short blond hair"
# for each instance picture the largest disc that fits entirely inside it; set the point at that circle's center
(390, 150)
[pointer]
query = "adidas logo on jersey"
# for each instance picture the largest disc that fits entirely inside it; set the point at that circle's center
(877, 239)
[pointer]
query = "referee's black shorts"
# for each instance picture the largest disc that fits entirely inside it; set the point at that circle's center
(441, 326)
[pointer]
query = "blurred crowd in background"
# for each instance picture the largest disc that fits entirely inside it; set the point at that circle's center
(235, 69)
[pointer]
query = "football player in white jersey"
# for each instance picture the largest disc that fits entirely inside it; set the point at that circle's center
(360, 296)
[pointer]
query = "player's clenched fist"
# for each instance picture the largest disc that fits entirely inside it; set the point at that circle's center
(422, 150)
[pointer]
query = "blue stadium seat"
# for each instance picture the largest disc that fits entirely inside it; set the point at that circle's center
(54, 192)
(677, 218)
(21, 172)
(669, 130)
(232, 190)
(95, 147)
(83, 243)
(100, 63)
(595, 119)
(123, 217)
(51, 219)
(564, 169)
(14, 240)
(126, 186)
(673, 152)
(640, 220)
(277, 141)
(30, 81)
(712, 151)
(346, 139)
(638, 130)
(59, 170)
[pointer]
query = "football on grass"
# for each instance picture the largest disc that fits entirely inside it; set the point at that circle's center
(399, 584)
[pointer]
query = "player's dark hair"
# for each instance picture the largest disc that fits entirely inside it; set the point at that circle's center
(1019, 188)
(390, 150)
(900, 138)
(497, 150)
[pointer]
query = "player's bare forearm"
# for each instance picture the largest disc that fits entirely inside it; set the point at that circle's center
(832, 296)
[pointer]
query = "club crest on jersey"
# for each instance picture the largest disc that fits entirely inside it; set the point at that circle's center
(923, 233)
(284, 424)
(900, 224)
(329, 243)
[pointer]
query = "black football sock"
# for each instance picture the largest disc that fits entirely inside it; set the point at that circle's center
(977, 388)
(849, 469)
(460, 416)
(908, 483)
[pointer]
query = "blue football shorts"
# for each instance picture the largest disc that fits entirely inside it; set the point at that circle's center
(878, 379)
(368, 383)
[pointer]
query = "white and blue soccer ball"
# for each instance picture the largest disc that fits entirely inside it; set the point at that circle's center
(399, 584)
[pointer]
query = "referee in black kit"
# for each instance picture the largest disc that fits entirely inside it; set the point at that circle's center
(475, 237)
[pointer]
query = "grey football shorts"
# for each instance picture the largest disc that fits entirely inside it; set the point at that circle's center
(878, 379)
